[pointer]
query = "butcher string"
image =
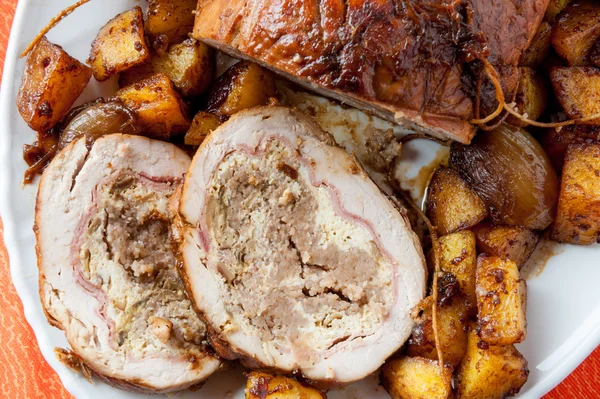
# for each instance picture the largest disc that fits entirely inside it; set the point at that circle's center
(492, 74)
(53, 22)
(435, 247)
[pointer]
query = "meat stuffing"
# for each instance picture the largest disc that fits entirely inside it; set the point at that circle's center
(292, 255)
(108, 277)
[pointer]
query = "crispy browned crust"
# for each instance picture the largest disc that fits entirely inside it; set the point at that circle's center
(388, 58)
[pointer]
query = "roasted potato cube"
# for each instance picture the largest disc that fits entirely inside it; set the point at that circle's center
(576, 31)
(159, 108)
(595, 54)
(539, 48)
(501, 301)
(554, 8)
(244, 85)
(458, 255)
(190, 66)
(578, 216)
(52, 81)
(490, 372)
(416, 378)
(578, 90)
(452, 325)
(507, 242)
(451, 204)
(531, 98)
(119, 45)
(172, 18)
(266, 386)
(203, 124)
(556, 141)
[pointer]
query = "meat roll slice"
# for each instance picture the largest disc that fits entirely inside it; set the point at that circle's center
(293, 257)
(108, 277)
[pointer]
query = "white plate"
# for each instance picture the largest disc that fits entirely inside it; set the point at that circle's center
(563, 303)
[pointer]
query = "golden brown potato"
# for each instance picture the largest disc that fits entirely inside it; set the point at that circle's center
(578, 216)
(490, 372)
(159, 108)
(556, 141)
(501, 301)
(539, 48)
(451, 204)
(458, 255)
(172, 18)
(507, 242)
(452, 326)
(190, 66)
(416, 378)
(266, 386)
(594, 56)
(119, 45)
(203, 124)
(576, 31)
(244, 85)
(531, 98)
(578, 90)
(52, 81)
(554, 8)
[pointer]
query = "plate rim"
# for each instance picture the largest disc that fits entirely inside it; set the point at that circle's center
(67, 377)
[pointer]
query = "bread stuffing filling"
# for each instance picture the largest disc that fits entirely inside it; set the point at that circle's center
(127, 255)
(295, 268)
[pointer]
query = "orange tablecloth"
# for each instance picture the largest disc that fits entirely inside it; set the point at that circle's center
(25, 375)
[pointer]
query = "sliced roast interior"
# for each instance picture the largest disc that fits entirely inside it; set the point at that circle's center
(294, 258)
(108, 276)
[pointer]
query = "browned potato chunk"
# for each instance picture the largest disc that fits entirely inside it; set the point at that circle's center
(451, 204)
(416, 378)
(539, 48)
(578, 90)
(203, 124)
(576, 30)
(52, 81)
(557, 141)
(507, 242)
(578, 216)
(490, 372)
(554, 8)
(266, 386)
(595, 54)
(458, 255)
(531, 98)
(452, 325)
(120, 45)
(158, 106)
(172, 18)
(501, 301)
(244, 85)
(189, 65)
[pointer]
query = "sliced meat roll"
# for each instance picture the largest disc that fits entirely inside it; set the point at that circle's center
(292, 256)
(108, 277)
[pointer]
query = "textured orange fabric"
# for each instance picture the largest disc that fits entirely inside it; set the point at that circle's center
(25, 375)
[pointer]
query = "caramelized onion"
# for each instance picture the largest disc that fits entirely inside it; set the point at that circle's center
(509, 169)
(98, 120)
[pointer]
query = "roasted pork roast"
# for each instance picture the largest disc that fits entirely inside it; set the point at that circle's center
(108, 277)
(292, 255)
(406, 61)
